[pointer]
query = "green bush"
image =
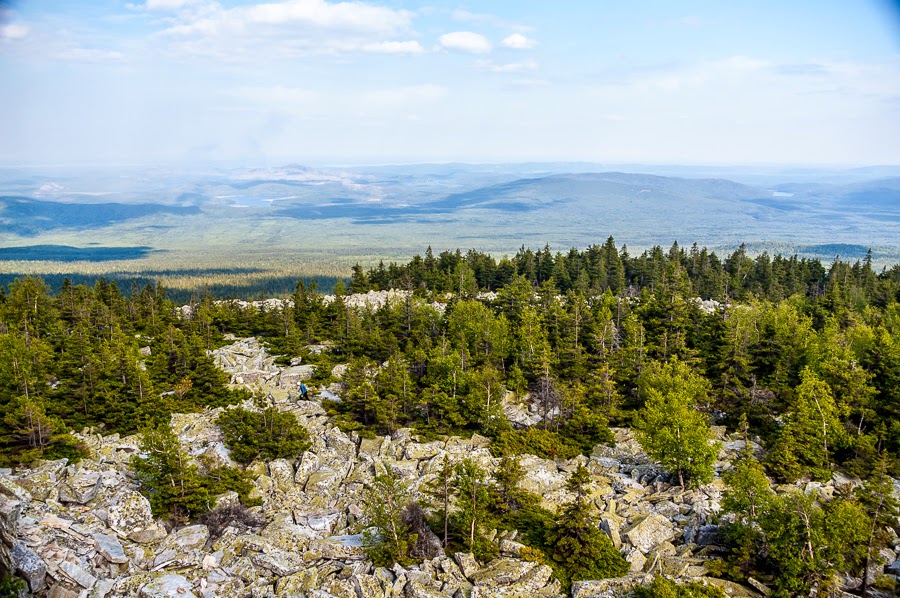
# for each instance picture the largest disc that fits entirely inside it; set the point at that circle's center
(220, 480)
(10, 586)
(665, 588)
(267, 434)
(534, 441)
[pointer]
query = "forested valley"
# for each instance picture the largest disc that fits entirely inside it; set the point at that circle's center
(800, 358)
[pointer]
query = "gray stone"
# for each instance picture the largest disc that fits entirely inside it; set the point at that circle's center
(78, 574)
(636, 561)
(366, 586)
(343, 548)
(110, 548)
(168, 586)
(323, 523)
(60, 591)
(467, 563)
(128, 512)
(297, 584)
(502, 572)
(10, 509)
(29, 565)
(710, 535)
(650, 532)
(80, 488)
(148, 535)
(188, 538)
(511, 548)
(102, 588)
(40, 484)
(414, 589)
(282, 473)
(278, 562)
(609, 588)
(611, 528)
(758, 585)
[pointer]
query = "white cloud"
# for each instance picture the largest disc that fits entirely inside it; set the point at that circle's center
(275, 95)
(513, 67)
(288, 29)
(465, 16)
(517, 41)
(13, 31)
(465, 41)
(408, 47)
(341, 15)
(473, 17)
(347, 16)
(166, 4)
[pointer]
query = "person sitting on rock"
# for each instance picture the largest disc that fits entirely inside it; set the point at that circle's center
(304, 392)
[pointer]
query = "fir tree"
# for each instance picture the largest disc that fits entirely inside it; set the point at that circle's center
(168, 478)
(576, 546)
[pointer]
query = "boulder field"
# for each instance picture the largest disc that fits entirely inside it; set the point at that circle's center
(84, 530)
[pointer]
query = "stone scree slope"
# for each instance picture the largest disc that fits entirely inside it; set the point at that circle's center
(84, 530)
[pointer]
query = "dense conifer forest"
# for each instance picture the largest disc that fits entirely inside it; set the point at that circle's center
(801, 355)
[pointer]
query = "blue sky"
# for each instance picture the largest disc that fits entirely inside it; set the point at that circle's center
(320, 81)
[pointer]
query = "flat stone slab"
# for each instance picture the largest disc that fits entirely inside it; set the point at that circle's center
(168, 586)
(78, 574)
(110, 548)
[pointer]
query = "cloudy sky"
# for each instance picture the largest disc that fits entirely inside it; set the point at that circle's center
(388, 81)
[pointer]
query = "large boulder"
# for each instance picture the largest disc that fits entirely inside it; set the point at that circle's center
(609, 588)
(342, 548)
(80, 487)
(650, 532)
(297, 584)
(29, 565)
(187, 538)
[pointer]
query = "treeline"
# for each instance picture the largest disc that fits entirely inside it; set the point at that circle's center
(598, 268)
(184, 286)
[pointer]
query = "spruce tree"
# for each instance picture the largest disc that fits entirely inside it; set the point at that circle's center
(168, 478)
(576, 546)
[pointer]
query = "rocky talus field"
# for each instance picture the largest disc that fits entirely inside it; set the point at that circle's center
(84, 530)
